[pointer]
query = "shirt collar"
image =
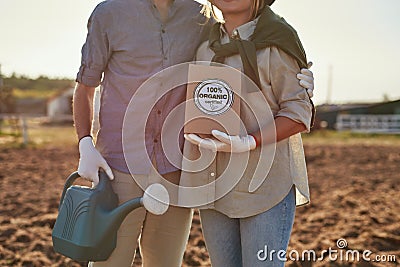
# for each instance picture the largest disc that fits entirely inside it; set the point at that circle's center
(244, 31)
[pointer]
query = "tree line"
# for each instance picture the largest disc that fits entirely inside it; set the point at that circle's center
(41, 83)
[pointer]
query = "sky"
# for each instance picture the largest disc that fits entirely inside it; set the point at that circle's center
(354, 44)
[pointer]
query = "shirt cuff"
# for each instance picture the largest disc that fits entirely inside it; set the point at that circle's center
(89, 77)
(298, 111)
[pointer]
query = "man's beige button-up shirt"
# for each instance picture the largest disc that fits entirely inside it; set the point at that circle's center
(285, 97)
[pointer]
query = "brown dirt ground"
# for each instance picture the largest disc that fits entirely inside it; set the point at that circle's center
(354, 190)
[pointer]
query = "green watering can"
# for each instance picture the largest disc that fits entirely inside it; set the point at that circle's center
(88, 219)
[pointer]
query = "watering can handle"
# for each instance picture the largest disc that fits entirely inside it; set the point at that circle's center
(103, 179)
(70, 180)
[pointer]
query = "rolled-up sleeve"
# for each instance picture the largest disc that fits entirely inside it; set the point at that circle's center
(95, 51)
(293, 100)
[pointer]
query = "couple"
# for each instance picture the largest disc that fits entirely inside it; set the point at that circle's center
(130, 40)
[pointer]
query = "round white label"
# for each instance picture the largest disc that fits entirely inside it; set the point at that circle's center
(213, 96)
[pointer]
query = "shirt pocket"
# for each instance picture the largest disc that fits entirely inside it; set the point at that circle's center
(137, 49)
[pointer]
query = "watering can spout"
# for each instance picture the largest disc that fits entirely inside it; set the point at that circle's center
(115, 217)
(154, 200)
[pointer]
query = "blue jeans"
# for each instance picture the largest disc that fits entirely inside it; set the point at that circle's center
(260, 240)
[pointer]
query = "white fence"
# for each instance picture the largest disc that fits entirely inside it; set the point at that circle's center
(369, 123)
(17, 124)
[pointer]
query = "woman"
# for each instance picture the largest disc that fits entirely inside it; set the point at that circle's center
(253, 228)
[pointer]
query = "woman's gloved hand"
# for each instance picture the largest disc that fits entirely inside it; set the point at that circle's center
(90, 161)
(224, 142)
(306, 78)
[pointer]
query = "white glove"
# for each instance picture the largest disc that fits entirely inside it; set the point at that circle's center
(306, 78)
(224, 142)
(90, 161)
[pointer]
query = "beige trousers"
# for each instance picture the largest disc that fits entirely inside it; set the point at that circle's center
(162, 238)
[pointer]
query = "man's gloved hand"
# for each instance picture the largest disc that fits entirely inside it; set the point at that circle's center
(90, 161)
(224, 142)
(306, 78)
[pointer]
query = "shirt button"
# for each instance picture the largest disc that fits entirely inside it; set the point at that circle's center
(158, 112)
(155, 141)
(212, 174)
(235, 34)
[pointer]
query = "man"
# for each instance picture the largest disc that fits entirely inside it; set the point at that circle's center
(129, 41)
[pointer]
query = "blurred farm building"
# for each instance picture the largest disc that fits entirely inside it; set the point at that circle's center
(383, 117)
(59, 107)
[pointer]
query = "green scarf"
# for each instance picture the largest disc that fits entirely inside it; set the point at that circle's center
(271, 30)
